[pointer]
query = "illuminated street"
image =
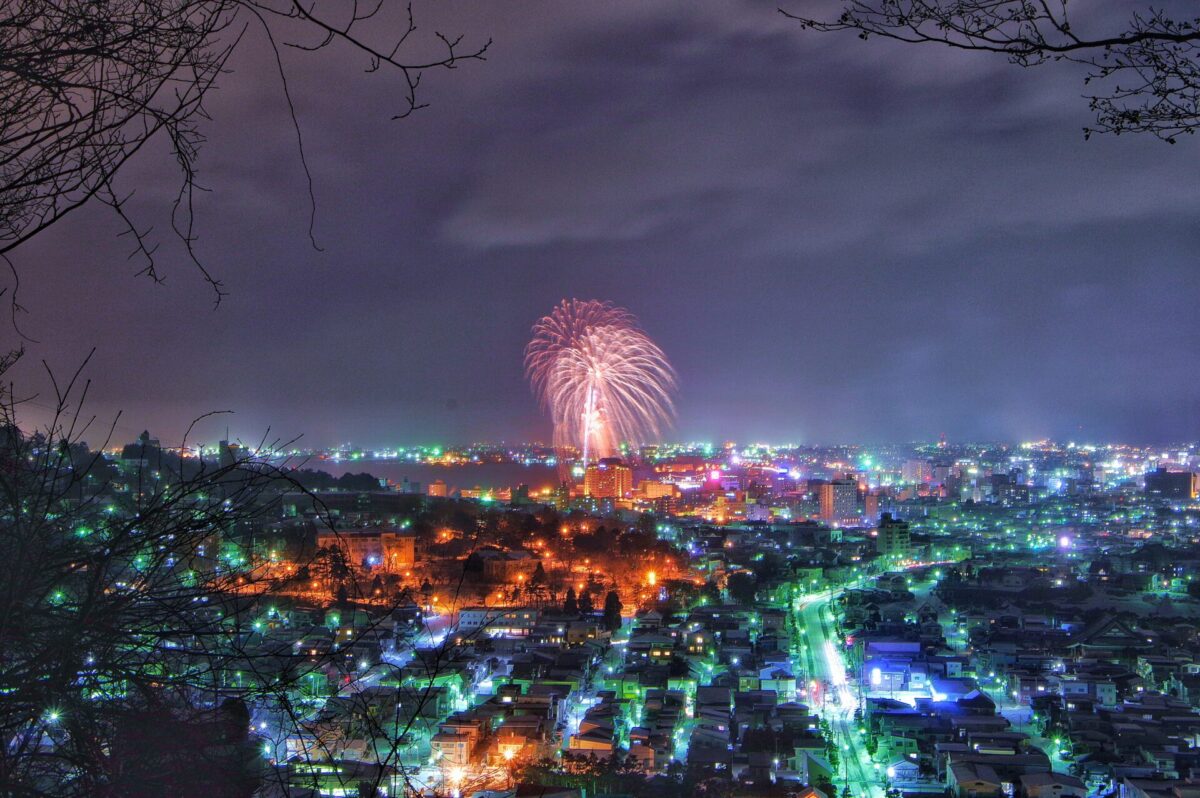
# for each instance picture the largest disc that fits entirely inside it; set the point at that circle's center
(823, 664)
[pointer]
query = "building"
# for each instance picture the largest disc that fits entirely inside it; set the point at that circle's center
(438, 489)
(230, 454)
(894, 542)
(916, 472)
(682, 465)
(970, 780)
(516, 621)
(372, 547)
(608, 479)
(506, 566)
(451, 749)
(1164, 484)
(839, 501)
(1052, 785)
(651, 490)
(142, 454)
(871, 508)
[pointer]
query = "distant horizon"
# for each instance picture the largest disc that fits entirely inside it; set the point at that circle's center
(379, 451)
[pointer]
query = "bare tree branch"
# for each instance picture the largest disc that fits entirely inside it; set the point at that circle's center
(1146, 77)
(84, 86)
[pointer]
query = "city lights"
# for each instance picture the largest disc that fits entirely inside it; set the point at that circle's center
(669, 616)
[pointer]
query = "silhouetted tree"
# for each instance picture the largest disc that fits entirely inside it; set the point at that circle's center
(612, 611)
(771, 566)
(570, 604)
(742, 587)
(204, 754)
(126, 609)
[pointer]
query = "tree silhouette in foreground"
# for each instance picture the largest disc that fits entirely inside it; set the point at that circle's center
(1143, 77)
(141, 630)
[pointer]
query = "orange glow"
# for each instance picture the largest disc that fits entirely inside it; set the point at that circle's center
(651, 578)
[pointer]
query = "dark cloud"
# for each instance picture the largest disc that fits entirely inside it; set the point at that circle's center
(833, 240)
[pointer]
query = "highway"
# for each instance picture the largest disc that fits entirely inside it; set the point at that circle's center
(835, 701)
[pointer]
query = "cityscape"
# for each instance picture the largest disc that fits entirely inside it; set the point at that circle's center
(688, 399)
(926, 619)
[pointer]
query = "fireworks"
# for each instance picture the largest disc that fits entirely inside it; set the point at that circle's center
(602, 379)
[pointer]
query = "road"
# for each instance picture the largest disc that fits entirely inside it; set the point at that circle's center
(822, 663)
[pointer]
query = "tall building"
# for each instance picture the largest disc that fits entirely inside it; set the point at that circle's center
(608, 479)
(230, 453)
(871, 508)
(839, 501)
(1165, 484)
(894, 542)
(915, 472)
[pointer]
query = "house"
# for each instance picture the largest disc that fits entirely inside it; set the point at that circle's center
(451, 748)
(1053, 785)
(596, 741)
(970, 780)
(903, 771)
(1156, 788)
(1109, 638)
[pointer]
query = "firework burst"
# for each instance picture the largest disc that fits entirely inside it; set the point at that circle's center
(601, 378)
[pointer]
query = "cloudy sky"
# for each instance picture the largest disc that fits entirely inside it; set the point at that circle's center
(832, 240)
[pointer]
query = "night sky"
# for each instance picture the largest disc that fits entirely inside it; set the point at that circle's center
(832, 240)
